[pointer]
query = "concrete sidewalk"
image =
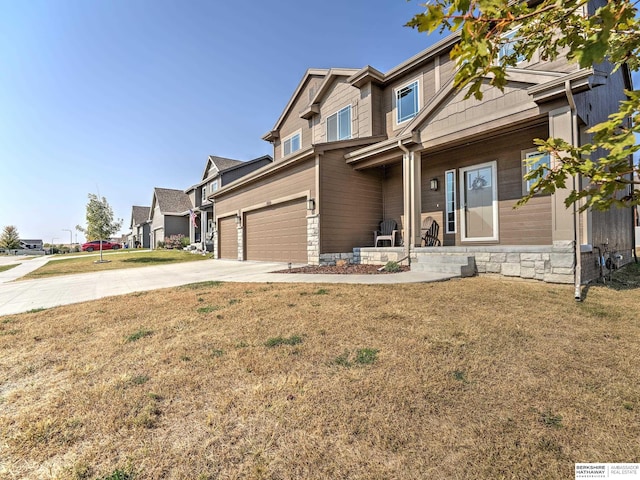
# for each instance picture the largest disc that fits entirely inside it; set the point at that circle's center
(24, 295)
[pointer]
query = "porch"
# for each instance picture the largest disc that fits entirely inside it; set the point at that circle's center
(549, 263)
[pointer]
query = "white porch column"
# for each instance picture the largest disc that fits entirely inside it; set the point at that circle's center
(406, 201)
(192, 231)
(415, 164)
(203, 229)
(562, 228)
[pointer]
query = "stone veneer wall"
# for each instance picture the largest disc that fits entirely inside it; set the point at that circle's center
(552, 263)
(313, 240)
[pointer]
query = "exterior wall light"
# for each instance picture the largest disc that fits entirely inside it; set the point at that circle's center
(434, 184)
(311, 204)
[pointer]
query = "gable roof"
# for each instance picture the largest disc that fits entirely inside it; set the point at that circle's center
(171, 201)
(309, 73)
(139, 215)
(220, 163)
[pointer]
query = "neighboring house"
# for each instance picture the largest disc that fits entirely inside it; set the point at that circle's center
(355, 146)
(140, 227)
(31, 244)
(168, 214)
(217, 172)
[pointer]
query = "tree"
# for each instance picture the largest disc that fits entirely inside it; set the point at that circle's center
(610, 35)
(100, 222)
(10, 238)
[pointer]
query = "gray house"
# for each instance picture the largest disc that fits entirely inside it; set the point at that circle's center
(168, 215)
(218, 172)
(139, 236)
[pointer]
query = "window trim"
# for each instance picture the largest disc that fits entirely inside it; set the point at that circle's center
(508, 35)
(454, 209)
(214, 185)
(288, 139)
(525, 155)
(337, 115)
(396, 103)
(204, 194)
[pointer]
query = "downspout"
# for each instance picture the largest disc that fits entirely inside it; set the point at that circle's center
(408, 234)
(576, 186)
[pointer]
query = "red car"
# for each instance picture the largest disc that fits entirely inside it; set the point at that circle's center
(95, 245)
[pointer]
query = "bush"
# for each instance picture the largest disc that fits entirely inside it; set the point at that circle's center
(174, 241)
(185, 242)
(392, 267)
(160, 245)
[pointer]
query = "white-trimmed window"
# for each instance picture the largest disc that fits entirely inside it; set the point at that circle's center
(407, 101)
(450, 201)
(214, 186)
(291, 144)
(532, 159)
(339, 125)
(204, 193)
(507, 47)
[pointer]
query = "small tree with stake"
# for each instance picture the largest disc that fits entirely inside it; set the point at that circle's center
(10, 239)
(100, 222)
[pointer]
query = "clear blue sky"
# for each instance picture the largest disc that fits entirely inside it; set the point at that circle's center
(121, 96)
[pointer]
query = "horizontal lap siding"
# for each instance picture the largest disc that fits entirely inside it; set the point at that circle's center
(392, 192)
(278, 233)
(228, 238)
(295, 179)
(350, 204)
(529, 225)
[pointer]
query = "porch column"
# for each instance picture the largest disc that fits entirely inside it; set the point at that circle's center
(192, 233)
(203, 229)
(416, 196)
(562, 228)
(406, 201)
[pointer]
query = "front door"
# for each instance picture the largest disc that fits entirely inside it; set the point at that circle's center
(479, 199)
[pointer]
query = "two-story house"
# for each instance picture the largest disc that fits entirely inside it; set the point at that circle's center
(218, 171)
(140, 228)
(355, 146)
(168, 214)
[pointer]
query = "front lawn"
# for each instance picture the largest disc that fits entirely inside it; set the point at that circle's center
(474, 378)
(117, 259)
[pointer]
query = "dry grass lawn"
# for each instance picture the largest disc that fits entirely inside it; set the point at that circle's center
(476, 378)
(116, 260)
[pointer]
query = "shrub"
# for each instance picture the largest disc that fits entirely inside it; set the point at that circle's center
(185, 242)
(392, 267)
(174, 241)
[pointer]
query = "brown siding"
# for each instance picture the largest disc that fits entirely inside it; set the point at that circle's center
(392, 193)
(350, 204)
(292, 122)
(340, 95)
(297, 178)
(277, 233)
(529, 225)
(228, 238)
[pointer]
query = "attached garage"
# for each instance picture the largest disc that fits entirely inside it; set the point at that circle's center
(228, 238)
(277, 233)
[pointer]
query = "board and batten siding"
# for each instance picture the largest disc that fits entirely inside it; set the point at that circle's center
(350, 204)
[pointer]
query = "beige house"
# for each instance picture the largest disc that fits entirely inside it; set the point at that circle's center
(168, 214)
(353, 147)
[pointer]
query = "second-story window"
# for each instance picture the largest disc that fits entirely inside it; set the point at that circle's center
(291, 144)
(339, 125)
(204, 193)
(508, 47)
(214, 186)
(407, 102)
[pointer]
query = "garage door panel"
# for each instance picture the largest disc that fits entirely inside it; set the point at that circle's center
(278, 233)
(228, 238)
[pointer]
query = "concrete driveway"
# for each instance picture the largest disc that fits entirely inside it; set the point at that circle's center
(23, 295)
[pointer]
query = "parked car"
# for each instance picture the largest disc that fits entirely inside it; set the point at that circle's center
(95, 245)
